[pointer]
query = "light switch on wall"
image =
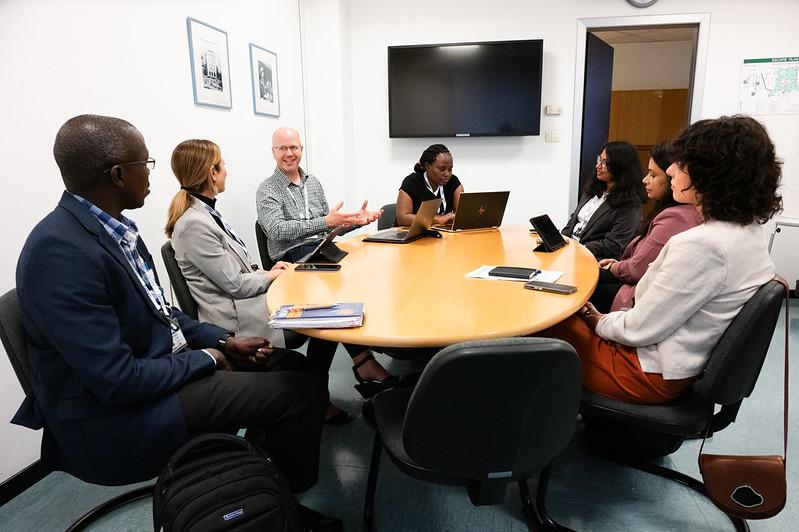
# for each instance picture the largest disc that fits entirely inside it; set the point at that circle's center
(551, 136)
(552, 110)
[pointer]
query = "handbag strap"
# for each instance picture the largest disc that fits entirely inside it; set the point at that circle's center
(784, 283)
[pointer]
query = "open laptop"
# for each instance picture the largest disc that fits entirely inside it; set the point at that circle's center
(478, 211)
(421, 223)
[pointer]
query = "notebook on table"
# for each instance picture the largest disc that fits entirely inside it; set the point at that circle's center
(421, 224)
(478, 211)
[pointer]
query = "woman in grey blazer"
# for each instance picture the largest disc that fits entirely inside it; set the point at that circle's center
(229, 289)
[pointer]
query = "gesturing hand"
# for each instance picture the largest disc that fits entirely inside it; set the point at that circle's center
(605, 263)
(335, 217)
(365, 216)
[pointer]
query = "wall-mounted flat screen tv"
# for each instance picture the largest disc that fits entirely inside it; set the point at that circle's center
(465, 89)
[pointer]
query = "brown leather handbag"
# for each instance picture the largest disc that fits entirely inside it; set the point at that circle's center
(749, 487)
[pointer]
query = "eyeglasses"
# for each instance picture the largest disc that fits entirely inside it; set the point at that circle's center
(149, 163)
(284, 149)
(600, 162)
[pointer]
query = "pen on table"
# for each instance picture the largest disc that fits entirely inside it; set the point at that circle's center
(313, 306)
(535, 273)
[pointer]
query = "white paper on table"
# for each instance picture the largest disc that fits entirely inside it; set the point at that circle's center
(547, 276)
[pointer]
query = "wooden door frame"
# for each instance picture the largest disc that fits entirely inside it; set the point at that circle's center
(584, 25)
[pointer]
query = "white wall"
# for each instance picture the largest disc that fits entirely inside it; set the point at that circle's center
(131, 60)
(536, 172)
(652, 65)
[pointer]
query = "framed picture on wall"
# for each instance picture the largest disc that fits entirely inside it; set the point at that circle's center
(210, 65)
(265, 95)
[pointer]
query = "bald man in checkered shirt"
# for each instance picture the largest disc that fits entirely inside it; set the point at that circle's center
(292, 208)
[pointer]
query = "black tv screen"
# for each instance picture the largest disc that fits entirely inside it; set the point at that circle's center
(465, 89)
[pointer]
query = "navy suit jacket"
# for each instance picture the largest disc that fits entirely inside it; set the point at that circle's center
(104, 379)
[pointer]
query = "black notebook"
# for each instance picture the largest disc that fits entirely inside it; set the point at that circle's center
(513, 272)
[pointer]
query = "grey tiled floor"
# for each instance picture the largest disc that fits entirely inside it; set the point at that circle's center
(586, 492)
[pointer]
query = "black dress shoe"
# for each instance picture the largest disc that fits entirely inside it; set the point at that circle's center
(342, 418)
(313, 521)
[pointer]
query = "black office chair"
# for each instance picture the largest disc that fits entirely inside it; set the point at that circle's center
(634, 434)
(12, 334)
(482, 415)
(263, 247)
(186, 301)
(389, 217)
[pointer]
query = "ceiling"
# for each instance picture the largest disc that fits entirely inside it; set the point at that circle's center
(639, 35)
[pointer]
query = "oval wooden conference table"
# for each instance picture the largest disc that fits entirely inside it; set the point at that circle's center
(416, 295)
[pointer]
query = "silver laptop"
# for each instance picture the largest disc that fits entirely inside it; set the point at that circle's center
(478, 211)
(421, 223)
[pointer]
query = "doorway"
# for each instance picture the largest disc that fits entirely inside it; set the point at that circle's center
(639, 79)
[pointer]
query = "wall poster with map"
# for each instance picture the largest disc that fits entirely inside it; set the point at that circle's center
(769, 86)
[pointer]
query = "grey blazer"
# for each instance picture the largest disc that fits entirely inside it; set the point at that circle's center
(227, 290)
(609, 230)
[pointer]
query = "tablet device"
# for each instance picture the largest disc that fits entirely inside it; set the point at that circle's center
(551, 239)
(326, 250)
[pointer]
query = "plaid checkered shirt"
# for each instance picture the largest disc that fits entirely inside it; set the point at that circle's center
(126, 235)
(291, 214)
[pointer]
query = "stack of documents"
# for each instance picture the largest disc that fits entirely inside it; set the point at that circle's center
(547, 276)
(324, 316)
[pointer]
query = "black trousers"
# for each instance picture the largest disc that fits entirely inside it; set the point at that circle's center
(607, 287)
(283, 410)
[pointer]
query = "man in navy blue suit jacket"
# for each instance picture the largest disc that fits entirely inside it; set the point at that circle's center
(120, 378)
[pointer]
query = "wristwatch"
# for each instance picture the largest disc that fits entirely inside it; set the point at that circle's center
(220, 344)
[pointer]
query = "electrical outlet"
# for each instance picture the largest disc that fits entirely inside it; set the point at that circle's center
(552, 110)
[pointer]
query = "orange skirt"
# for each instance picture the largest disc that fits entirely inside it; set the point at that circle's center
(612, 369)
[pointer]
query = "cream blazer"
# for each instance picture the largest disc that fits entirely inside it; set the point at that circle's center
(227, 290)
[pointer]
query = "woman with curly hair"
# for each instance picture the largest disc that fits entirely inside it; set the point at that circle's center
(615, 289)
(609, 210)
(728, 170)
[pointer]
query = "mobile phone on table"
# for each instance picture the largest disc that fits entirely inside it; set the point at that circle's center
(554, 288)
(317, 267)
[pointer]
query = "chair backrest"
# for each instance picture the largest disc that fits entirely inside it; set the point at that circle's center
(186, 301)
(12, 334)
(389, 217)
(263, 247)
(734, 364)
(494, 409)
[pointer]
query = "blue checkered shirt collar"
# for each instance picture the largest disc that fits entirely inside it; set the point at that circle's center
(124, 231)
(126, 235)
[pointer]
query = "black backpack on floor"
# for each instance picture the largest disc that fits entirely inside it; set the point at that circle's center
(219, 482)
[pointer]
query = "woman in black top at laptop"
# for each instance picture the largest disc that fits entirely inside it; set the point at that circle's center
(432, 178)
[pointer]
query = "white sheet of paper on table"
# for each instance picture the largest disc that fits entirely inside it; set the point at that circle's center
(547, 276)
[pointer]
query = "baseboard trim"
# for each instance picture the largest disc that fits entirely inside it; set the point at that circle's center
(21, 481)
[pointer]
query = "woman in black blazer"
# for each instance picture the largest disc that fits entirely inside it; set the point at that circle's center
(610, 210)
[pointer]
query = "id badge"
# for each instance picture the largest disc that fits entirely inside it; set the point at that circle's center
(178, 340)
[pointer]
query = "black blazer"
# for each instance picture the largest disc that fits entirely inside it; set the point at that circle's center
(609, 230)
(104, 378)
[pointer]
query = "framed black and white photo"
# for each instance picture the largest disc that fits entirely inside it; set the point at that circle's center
(210, 65)
(263, 67)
